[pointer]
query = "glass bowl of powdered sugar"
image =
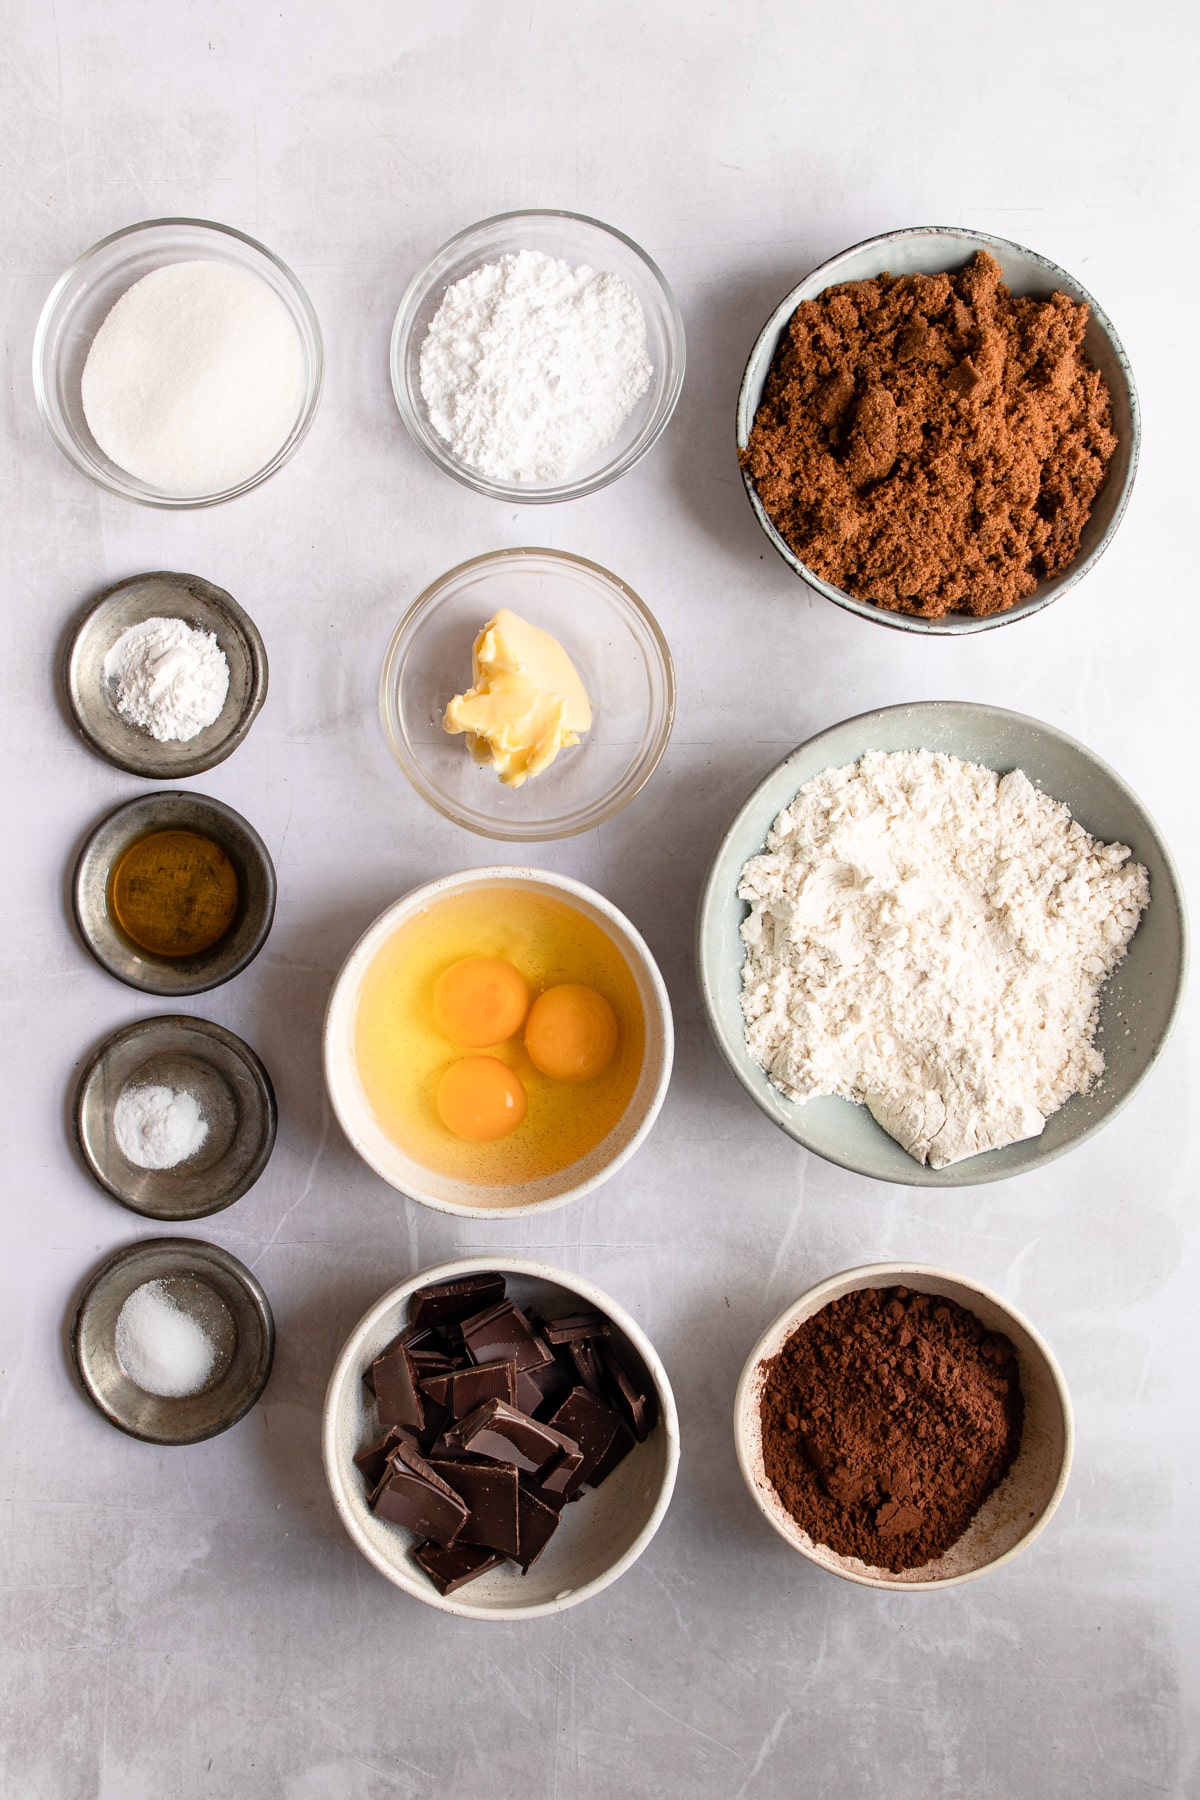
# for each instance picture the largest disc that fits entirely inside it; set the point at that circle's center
(537, 356)
(178, 363)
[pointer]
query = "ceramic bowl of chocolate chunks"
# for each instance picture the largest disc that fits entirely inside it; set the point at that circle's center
(500, 1438)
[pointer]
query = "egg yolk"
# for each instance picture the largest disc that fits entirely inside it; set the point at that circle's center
(479, 1098)
(571, 1033)
(480, 1000)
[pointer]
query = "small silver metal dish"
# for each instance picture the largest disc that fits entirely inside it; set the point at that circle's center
(236, 1099)
(224, 1298)
(93, 701)
(174, 976)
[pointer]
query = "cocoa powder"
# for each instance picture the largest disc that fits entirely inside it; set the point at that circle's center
(887, 1420)
(932, 443)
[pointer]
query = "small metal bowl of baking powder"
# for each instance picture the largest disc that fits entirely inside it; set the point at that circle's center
(172, 977)
(224, 1299)
(92, 696)
(236, 1102)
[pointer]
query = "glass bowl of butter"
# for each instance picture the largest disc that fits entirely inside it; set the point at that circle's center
(528, 695)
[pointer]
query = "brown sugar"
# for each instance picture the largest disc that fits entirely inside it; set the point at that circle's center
(932, 443)
(887, 1420)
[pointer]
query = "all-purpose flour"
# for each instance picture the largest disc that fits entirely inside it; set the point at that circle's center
(531, 367)
(930, 939)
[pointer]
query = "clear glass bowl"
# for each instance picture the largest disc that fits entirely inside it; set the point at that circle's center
(81, 300)
(623, 662)
(574, 239)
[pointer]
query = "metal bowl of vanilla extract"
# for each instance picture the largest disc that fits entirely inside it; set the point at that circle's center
(174, 893)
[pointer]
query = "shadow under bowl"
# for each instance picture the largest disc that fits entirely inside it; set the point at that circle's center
(1138, 1003)
(600, 1536)
(933, 250)
(174, 976)
(1011, 1517)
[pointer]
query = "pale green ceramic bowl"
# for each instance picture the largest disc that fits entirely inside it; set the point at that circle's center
(1138, 1004)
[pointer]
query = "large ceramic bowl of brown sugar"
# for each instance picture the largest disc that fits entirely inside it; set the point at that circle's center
(904, 1427)
(938, 430)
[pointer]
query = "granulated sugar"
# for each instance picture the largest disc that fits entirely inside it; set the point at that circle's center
(531, 367)
(161, 1347)
(930, 939)
(195, 379)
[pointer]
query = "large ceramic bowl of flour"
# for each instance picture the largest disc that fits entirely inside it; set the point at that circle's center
(1138, 1003)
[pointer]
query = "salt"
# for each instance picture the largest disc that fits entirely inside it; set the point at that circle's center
(161, 1348)
(157, 1127)
(195, 379)
(168, 678)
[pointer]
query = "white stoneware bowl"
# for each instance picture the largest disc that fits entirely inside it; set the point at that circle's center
(930, 250)
(1011, 1517)
(1138, 1004)
(600, 1536)
(447, 1193)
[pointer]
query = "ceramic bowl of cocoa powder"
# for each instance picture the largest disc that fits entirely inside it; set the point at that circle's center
(886, 1463)
(917, 538)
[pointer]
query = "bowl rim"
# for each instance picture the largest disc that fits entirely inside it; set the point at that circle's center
(417, 898)
(553, 830)
(210, 597)
(880, 1274)
(164, 1025)
(345, 1368)
(956, 624)
(711, 899)
(227, 817)
(184, 502)
(440, 454)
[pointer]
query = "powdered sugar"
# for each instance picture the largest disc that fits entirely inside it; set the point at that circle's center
(530, 367)
(930, 939)
(168, 678)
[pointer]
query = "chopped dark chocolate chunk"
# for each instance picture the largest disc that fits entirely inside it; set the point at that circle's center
(618, 1450)
(575, 1325)
(467, 1389)
(395, 1384)
(451, 1569)
(444, 1301)
(586, 1365)
(490, 1492)
(536, 1525)
(418, 1498)
(634, 1403)
(503, 1334)
(592, 1424)
(373, 1458)
(500, 1431)
(562, 1476)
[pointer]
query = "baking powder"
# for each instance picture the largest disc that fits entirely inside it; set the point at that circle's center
(168, 678)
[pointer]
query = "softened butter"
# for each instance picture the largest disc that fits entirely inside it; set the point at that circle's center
(526, 703)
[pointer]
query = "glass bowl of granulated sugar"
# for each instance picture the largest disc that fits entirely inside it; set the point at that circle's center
(537, 356)
(178, 363)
